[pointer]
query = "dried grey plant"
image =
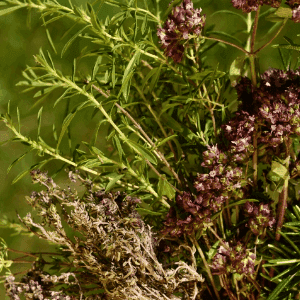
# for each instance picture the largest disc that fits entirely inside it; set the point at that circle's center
(113, 250)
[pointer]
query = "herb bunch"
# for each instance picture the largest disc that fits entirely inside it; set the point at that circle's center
(196, 200)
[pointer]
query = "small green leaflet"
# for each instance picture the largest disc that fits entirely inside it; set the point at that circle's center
(278, 171)
(164, 188)
(112, 183)
(142, 151)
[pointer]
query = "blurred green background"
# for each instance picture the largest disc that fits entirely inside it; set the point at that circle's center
(19, 44)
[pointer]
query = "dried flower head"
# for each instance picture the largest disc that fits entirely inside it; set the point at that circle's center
(114, 248)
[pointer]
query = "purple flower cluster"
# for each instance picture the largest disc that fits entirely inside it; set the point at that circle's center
(233, 259)
(183, 21)
(198, 217)
(295, 6)
(260, 217)
(220, 184)
(277, 101)
(239, 131)
(252, 5)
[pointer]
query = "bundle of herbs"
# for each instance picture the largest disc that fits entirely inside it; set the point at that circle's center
(198, 196)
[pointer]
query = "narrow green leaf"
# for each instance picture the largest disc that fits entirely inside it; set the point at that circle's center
(20, 176)
(55, 18)
(155, 78)
(9, 10)
(62, 96)
(280, 287)
(8, 107)
(65, 125)
(28, 19)
(113, 72)
(50, 58)
(296, 210)
(97, 151)
(69, 30)
(165, 140)
(203, 74)
(96, 67)
(19, 121)
(292, 224)
(44, 92)
(290, 241)
(171, 122)
(224, 11)
(74, 69)
(54, 132)
(95, 135)
(291, 47)
(131, 64)
(71, 5)
(125, 88)
(144, 24)
(50, 40)
(71, 40)
(119, 147)
(112, 183)
(148, 76)
(143, 152)
(280, 261)
(144, 211)
(287, 270)
(94, 19)
(16, 160)
(39, 116)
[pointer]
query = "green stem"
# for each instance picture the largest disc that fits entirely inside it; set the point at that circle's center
(254, 83)
(137, 125)
(194, 241)
(53, 153)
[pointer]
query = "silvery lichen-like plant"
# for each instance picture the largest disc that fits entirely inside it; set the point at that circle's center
(196, 200)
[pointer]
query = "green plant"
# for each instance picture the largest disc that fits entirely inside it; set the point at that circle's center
(194, 179)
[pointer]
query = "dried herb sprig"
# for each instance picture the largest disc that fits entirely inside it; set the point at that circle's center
(113, 248)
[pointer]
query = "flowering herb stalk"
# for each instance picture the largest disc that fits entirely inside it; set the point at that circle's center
(192, 199)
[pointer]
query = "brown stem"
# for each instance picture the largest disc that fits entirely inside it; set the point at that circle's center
(22, 252)
(254, 283)
(283, 196)
(273, 38)
(254, 158)
(254, 29)
(228, 43)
